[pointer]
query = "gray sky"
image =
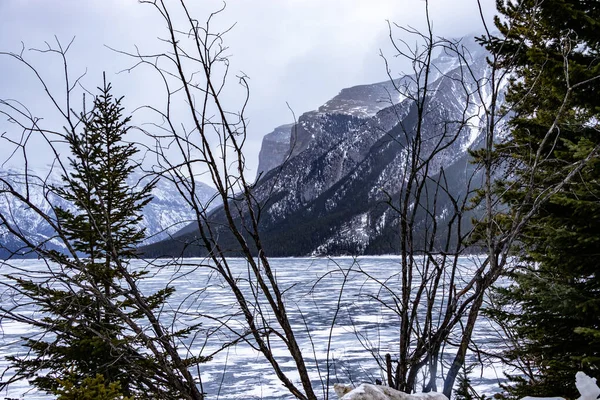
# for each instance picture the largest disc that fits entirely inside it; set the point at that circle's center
(298, 51)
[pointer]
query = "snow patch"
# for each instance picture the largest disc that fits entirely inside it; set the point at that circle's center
(367, 391)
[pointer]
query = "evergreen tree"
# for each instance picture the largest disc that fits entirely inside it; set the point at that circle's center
(87, 305)
(90, 389)
(464, 390)
(554, 304)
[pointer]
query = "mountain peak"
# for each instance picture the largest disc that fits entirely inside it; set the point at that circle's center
(338, 164)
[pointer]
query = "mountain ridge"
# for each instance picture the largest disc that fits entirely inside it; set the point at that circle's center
(163, 216)
(345, 159)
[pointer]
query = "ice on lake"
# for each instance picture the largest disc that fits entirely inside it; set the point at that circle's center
(341, 343)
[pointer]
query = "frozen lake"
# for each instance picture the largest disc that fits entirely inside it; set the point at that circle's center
(313, 294)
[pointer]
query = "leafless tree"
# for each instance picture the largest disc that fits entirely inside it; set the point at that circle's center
(437, 302)
(435, 290)
(195, 69)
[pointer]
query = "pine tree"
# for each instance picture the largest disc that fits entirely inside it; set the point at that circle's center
(464, 390)
(94, 388)
(86, 311)
(554, 304)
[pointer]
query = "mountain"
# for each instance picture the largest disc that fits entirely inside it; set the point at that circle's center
(275, 148)
(163, 216)
(338, 164)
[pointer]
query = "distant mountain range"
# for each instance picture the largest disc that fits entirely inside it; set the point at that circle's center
(166, 214)
(324, 179)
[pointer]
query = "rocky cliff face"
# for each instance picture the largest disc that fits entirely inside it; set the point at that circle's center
(274, 149)
(345, 160)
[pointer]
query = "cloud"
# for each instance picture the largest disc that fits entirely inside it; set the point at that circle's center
(299, 51)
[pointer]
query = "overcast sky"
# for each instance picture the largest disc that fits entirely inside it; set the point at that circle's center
(302, 52)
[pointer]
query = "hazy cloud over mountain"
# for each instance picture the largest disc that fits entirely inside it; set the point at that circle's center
(297, 51)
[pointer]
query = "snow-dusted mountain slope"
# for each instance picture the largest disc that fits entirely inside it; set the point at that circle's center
(166, 214)
(343, 160)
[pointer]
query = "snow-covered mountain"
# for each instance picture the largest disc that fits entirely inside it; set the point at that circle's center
(338, 164)
(166, 214)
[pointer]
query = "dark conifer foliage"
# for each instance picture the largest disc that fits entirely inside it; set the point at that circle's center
(554, 304)
(94, 312)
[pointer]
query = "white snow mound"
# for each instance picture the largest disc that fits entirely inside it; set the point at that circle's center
(367, 391)
(588, 388)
